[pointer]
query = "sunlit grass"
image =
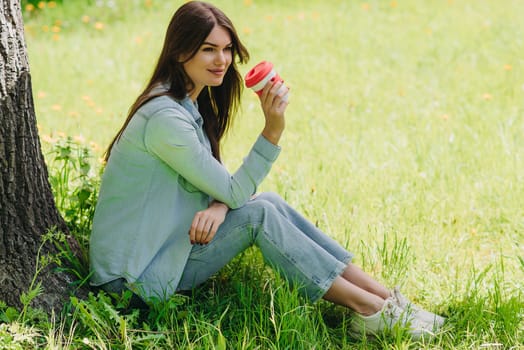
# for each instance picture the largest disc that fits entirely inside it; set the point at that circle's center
(403, 141)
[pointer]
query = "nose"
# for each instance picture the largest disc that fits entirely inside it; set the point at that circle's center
(220, 58)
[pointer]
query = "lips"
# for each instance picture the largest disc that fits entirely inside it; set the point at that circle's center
(217, 71)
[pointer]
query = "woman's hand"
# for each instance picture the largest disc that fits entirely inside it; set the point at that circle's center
(206, 222)
(273, 106)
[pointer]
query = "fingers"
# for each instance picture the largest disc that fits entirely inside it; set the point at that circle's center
(273, 95)
(203, 229)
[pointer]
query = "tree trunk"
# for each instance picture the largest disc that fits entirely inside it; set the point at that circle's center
(27, 207)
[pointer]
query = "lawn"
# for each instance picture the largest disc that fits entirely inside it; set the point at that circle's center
(403, 142)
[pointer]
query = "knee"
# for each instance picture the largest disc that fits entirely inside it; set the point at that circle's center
(271, 197)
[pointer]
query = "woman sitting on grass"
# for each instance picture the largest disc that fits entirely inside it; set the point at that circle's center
(170, 215)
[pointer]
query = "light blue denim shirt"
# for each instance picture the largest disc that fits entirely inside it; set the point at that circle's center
(160, 173)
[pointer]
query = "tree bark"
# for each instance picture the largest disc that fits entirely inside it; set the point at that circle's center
(27, 207)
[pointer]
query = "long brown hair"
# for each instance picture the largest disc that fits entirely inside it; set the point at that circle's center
(187, 30)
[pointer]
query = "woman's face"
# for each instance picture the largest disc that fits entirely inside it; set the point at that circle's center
(209, 65)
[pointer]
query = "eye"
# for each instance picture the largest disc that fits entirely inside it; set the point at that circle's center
(207, 49)
(229, 48)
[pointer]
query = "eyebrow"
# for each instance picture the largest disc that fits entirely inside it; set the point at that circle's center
(215, 45)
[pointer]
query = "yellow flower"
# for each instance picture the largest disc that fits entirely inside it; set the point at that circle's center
(94, 146)
(247, 30)
(41, 5)
(48, 139)
(508, 67)
(99, 26)
(29, 7)
(55, 29)
(486, 96)
(148, 3)
(86, 19)
(79, 139)
(365, 6)
(45, 28)
(51, 4)
(393, 3)
(248, 2)
(56, 37)
(41, 94)
(56, 107)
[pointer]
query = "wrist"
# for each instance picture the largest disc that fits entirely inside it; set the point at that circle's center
(272, 135)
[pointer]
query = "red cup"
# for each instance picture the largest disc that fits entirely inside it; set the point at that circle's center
(260, 75)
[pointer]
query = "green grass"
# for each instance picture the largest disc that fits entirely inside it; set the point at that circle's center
(403, 141)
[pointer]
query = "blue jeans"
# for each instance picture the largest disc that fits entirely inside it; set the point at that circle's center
(302, 254)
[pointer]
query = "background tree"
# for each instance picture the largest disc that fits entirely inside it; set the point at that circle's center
(27, 207)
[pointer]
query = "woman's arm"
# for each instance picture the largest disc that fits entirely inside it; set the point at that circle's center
(171, 135)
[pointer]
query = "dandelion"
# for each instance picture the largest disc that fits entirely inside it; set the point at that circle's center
(86, 19)
(48, 139)
(138, 40)
(444, 116)
(365, 6)
(99, 26)
(247, 30)
(41, 94)
(148, 3)
(29, 7)
(248, 2)
(41, 5)
(268, 18)
(56, 37)
(74, 114)
(51, 4)
(301, 16)
(99, 110)
(486, 96)
(315, 15)
(45, 28)
(393, 4)
(508, 67)
(55, 29)
(94, 146)
(79, 138)
(56, 107)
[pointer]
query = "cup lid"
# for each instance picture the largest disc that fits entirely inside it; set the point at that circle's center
(258, 72)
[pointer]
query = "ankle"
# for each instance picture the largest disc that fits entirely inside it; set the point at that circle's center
(371, 308)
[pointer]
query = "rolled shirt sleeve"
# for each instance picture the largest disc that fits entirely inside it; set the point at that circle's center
(171, 135)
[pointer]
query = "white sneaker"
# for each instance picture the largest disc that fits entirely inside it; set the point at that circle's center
(405, 304)
(390, 316)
